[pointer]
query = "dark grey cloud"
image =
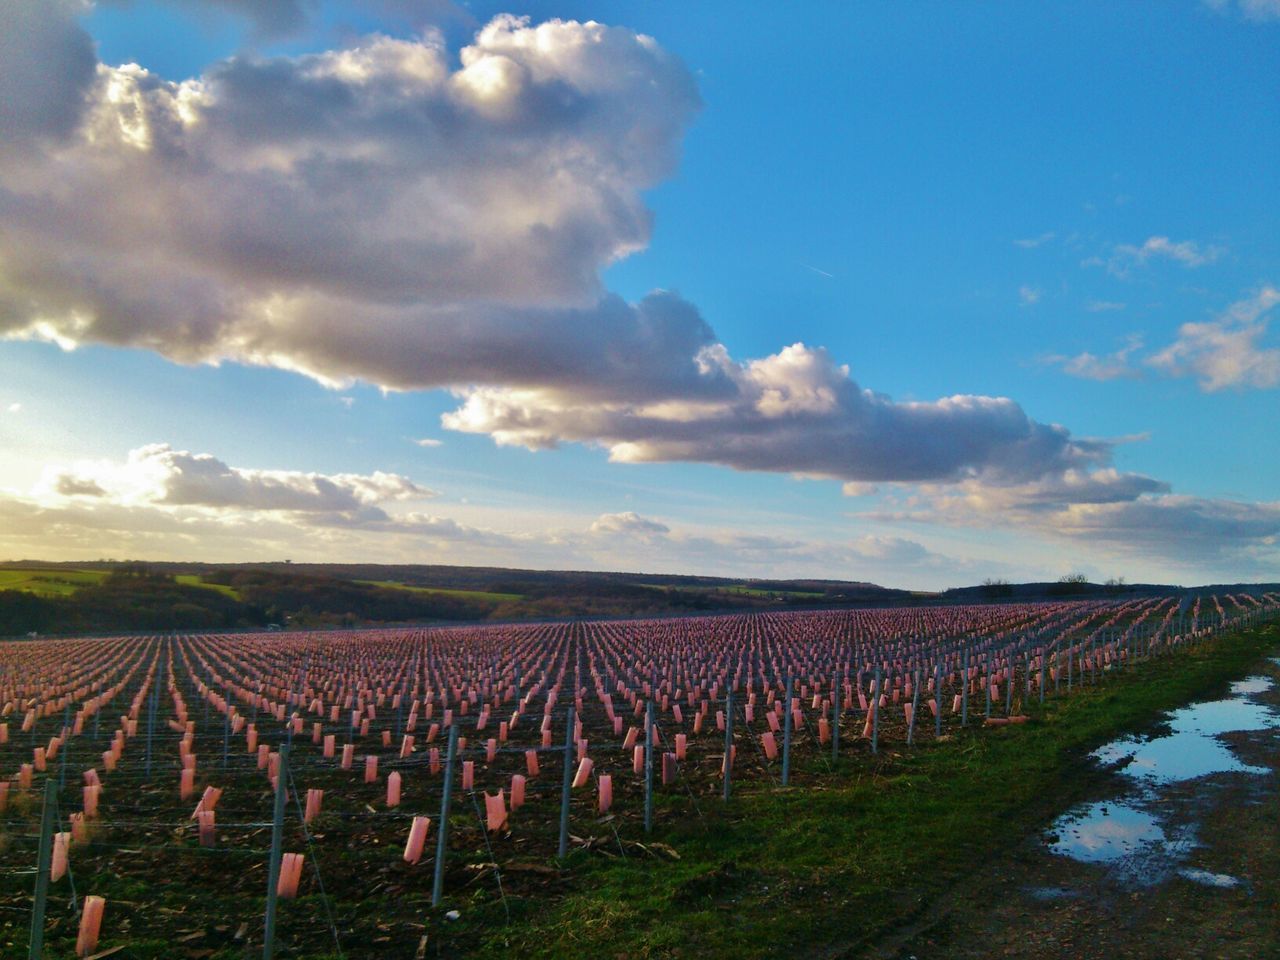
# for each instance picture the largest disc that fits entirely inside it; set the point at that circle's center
(271, 18)
(1128, 513)
(1190, 527)
(794, 412)
(47, 66)
(69, 485)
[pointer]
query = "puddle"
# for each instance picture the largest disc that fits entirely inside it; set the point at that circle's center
(1051, 893)
(1136, 846)
(1221, 880)
(1107, 831)
(1252, 685)
(1181, 756)
(1191, 748)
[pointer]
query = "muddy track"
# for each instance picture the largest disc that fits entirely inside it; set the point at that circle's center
(1210, 888)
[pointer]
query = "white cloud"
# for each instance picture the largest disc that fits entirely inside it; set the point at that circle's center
(1030, 243)
(162, 503)
(1088, 366)
(84, 528)
(629, 524)
(1251, 9)
(158, 475)
(1186, 253)
(13, 408)
(374, 213)
(1028, 295)
(864, 556)
(429, 442)
(158, 503)
(1220, 353)
(1225, 352)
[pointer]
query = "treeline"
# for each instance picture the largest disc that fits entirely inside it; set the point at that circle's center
(129, 598)
(580, 584)
(137, 598)
(323, 600)
(147, 597)
(590, 596)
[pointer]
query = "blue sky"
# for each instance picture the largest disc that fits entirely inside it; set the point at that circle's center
(225, 332)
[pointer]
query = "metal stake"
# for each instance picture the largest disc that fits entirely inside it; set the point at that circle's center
(837, 708)
(273, 865)
(44, 859)
(563, 847)
(786, 735)
(875, 714)
(728, 742)
(442, 837)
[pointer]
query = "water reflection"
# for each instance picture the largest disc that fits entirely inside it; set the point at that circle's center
(1209, 879)
(1135, 844)
(1106, 831)
(1191, 748)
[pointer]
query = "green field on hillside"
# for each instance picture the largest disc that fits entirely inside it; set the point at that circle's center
(194, 580)
(445, 592)
(740, 589)
(48, 583)
(59, 582)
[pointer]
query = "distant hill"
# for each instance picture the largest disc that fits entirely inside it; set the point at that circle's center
(1057, 590)
(108, 596)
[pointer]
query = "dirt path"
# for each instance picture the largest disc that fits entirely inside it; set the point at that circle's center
(1165, 865)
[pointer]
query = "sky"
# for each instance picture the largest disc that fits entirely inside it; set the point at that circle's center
(918, 294)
